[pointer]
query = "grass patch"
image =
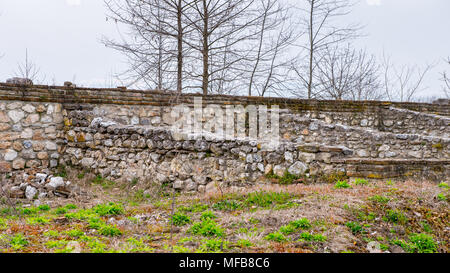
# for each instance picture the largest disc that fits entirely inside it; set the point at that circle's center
(109, 209)
(105, 183)
(37, 220)
(306, 236)
(193, 208)
(418, 243)
(227, 205)
(266, 199)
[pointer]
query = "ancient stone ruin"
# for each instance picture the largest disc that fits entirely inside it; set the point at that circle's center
(126, 134)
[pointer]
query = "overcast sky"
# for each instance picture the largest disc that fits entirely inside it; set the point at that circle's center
(63, 37)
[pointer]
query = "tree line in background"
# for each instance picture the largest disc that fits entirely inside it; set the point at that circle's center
(261, 47)
(287, 48)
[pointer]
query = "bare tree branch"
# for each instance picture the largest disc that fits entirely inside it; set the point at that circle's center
(347, 74)
(323, 32)
(29, 70)
(403, 83)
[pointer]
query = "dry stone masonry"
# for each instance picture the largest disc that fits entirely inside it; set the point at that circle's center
(125, 134)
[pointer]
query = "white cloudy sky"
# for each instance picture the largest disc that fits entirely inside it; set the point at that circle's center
(62, 37)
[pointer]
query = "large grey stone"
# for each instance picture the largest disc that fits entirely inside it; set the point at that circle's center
(30, 192)
(298, 168)
(279, 170)
(10, 155)
(16, 115)
(55, 182)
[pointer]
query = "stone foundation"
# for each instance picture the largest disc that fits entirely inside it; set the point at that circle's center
(126, 135)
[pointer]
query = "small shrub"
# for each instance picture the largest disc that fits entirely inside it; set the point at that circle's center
(180, 219)
(37, 220)
(379, 199)
(70, 206)
(443, 185)
(51, 233)
(301, 223)
(360, 181)
(287, 229)
(426, 227)
(95, 223)
(288, 178)
(208, 215)
(438, 146)
(441, 197)
(44, 207)
(276, 237)
(108, 230)
(244, 243)
(342, 184)
(29, 211)
(395, 216)
(61, 210)
(214, 245)
(81, 175)
(423, 243)
(56, 243)
(306, 236)
(105, 183)
(96, 246)
(419, 243)
(75, 233)
(18, 241)
(334, 177)
(83, 214)
(207, 228)
(3, 224)
(62, 172)
(355, 227)
(138, 246)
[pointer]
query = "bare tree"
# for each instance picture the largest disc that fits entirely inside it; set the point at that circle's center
(29, 70)
(323, 31)
(403, 83)
(221, 30)
(157, 29)
(346, 73)
(275, 34)
(446, 80)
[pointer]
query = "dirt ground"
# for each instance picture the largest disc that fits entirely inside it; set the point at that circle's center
(357, 216)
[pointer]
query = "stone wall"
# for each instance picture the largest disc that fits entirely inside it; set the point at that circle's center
(125, 135)
(30, 134)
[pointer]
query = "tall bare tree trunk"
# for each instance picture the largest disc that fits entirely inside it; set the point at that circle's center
(179, 48)
(205, 77)
(311, 49)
